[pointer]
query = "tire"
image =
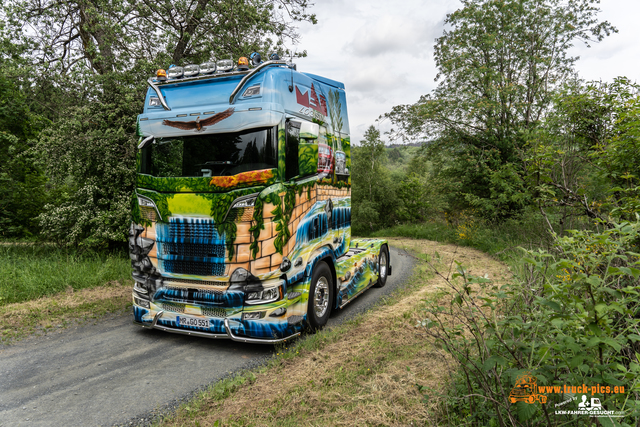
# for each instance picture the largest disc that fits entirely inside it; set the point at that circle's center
(320, 296)
(383, 269)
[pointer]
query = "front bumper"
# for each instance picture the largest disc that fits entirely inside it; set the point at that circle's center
(227, 326)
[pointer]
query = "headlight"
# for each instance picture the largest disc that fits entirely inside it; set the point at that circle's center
(264, 296)
(148, 203)
(245, 203)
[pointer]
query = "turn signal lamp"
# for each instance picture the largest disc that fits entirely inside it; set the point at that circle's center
(208, 67)
(175, 72)
(243, 64)
(191, 70)
(224, 65)
(161, 75)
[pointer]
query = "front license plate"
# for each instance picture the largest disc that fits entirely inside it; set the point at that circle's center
(192, 321)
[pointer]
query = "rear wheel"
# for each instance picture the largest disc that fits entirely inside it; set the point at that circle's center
(383, 267)
(320, 296)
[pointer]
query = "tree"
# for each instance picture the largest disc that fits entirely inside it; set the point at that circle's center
(584, 160)
(22, 193)
(374, 192)
(498, 66)
(84, 65)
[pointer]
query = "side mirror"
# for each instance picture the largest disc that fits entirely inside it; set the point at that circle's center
(309, 130)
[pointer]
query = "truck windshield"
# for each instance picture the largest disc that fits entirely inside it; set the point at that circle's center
(220, 154)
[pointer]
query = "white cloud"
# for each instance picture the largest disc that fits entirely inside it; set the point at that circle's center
(383, 50)
(393, 34)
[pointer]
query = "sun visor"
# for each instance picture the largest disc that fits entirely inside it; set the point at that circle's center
(223, 120)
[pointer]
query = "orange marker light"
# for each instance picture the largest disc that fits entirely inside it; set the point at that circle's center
(161, 74)
(243, 64)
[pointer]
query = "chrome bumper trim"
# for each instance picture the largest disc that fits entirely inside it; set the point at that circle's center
(255, 340)
(228, 335)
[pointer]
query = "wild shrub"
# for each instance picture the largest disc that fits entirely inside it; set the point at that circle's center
(571, 319)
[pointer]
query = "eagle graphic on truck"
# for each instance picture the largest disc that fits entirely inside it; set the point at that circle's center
(242, 211)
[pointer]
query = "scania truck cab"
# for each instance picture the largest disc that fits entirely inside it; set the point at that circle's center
(242, 211)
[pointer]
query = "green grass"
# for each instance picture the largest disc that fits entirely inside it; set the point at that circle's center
(29, 271)
(499, 240)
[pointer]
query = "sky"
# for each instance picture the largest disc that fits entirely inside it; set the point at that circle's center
(383, 51)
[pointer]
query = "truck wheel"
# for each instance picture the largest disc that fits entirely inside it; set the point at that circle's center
(383, 269)
(320, 296)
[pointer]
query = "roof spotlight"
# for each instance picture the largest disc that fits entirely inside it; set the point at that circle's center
(256, 59)
(224, 65)
(274, 57)
(175, 72)
(191, 70)
(208, 67)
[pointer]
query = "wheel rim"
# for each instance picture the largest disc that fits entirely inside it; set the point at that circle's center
(383, 265)
(321, 297)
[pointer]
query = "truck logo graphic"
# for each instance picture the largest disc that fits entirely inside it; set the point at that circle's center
(526, 390)
(317, 103)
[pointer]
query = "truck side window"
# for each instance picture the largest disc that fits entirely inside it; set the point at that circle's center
(291, 151)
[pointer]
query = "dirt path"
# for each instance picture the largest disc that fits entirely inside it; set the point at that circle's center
(109, 372)
(375, 373)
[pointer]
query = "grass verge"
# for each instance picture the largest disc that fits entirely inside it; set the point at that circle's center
(30, 271)
(44, 288)
(19, 320)
(373, 370)
(500, 240)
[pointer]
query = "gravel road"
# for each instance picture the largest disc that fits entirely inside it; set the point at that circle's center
(115, 373)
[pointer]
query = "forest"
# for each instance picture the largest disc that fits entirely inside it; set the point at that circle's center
(512, 153)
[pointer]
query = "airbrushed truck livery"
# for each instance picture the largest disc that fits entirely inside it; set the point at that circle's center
(242, 213)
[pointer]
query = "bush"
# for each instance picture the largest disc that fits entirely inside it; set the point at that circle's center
(572, 319)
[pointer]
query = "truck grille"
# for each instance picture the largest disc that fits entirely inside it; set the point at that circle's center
(198, 250)
(214, 312)
(183, 228)
(171, 280)
(193, 267)
(176, 308)
(207, 311)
